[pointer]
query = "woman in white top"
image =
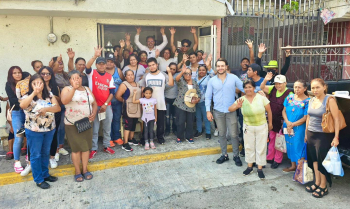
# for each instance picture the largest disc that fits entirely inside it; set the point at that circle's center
(80, 103)
(163, 62)
(134, 65)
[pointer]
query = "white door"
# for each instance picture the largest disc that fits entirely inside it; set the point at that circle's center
(207, 40)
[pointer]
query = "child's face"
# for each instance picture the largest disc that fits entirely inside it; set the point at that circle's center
(148, 94)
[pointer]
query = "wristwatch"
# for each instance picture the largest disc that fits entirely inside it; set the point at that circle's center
(106, 103)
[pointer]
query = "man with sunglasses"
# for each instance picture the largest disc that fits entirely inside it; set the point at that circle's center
(185, 45)
(150, 48)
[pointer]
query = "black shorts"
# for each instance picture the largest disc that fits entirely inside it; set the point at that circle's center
(130, 123)
(11, 136)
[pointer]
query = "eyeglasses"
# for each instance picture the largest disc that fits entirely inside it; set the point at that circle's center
(45, 74)
(187, 73)
(185, 46)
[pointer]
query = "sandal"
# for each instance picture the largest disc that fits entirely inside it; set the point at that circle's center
(320, 193)
(86, 175)
(78, 176)
(9, 156)
(310, 190)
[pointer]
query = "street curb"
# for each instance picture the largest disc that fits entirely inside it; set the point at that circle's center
(66, 170)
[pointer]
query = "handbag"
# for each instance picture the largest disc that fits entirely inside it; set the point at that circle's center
(303, 174)
(9, 114)
(84, 123)
(332, 162)
(280, 143)
(328, 120)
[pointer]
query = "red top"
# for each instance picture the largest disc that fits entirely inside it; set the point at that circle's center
(100, 86)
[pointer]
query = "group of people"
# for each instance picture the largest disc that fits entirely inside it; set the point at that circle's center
(173, 94)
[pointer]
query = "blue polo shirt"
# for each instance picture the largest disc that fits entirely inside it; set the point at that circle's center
(222, 93)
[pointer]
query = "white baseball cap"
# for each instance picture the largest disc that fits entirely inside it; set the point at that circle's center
(280, 79)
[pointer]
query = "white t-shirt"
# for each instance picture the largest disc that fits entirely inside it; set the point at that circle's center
(140, 72)
(163, 64)
(157, 83)
(150, 53)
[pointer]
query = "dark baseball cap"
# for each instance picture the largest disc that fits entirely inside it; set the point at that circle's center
(110, 57)
(255, 68)
(101, 59)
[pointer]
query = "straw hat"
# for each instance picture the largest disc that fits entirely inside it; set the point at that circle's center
(188, 97)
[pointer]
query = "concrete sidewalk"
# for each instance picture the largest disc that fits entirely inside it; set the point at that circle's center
(195, 182)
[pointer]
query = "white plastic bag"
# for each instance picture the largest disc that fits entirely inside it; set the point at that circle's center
(332, 162)
(280, 143)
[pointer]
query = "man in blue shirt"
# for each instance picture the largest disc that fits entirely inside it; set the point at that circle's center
(222, 90)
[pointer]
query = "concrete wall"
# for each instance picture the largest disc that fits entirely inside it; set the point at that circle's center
(23, 39)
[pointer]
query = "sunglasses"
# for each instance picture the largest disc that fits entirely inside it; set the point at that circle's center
(185, 46)
(45, 74)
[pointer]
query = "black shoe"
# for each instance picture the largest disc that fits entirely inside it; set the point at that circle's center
(269, 161)
(242, 153)
(43, 185)
(261, 174)
(161, 141)
(275, 165)
(126, 147)
(51, 179)
(167, 133)
(21, 131)
(222, 159)
(237, 160)
(208, 136)
(248, 171)
(197, 134)
(133, 141)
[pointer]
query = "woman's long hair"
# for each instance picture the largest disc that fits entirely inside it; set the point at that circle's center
(304, 85)
(10, 78)
(52, 83)
(45, 92)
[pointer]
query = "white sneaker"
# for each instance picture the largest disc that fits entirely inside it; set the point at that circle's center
(57, 157)
(53, 163)
(26, 170)
(216, 132)
(18, 167)
(62, 151)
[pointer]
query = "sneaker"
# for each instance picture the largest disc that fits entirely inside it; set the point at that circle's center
(9, 156)
(92, 154)
(127, 147)
(161, 141)
(178, 140)
(275, 165)
(23, 151)
(20, 132)
(26, 170)
(53, 163)
(43, 185)
(208, 136)
(147, 146)
(152, 145)
(222, 159)
(27, 160)
(190, 141)
(197, 134)
(57, 157)
(248, 171)
(119, 141)
(242, 153)
(109, 150)
(111, 144)
(261, 174)
(216, 132)
(18, 167)
(62, 151)
(133, 141)
(237, 160)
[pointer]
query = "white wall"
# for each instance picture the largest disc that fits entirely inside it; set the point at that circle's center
(23, 39)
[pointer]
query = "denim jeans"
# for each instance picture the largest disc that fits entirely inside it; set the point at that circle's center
(201, 115)
(170, 115)
(39, 145)
(18, 118)
(117, 112)
(106, 123)
(61, 132)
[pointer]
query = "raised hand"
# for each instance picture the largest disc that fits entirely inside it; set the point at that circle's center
(172, 30)
(249, 43)
(168, 69)
(75, 81)
(59, 58)
(240, 102)
(288, 51)
(98, 51)
(193, 30)
(122, 43)
(127, 36)
(183, 69)
(162, 30)
(128, 43)
(262, 48)
(176, 53)
(38, 86)
(138, 30)
(269, 76)
(184, 58)
(70, 53)
(204, 56)
(157, 52)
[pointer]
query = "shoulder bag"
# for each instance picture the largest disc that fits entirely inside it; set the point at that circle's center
(328, 120)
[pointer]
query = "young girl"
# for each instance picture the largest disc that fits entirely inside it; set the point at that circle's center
(149, 116)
